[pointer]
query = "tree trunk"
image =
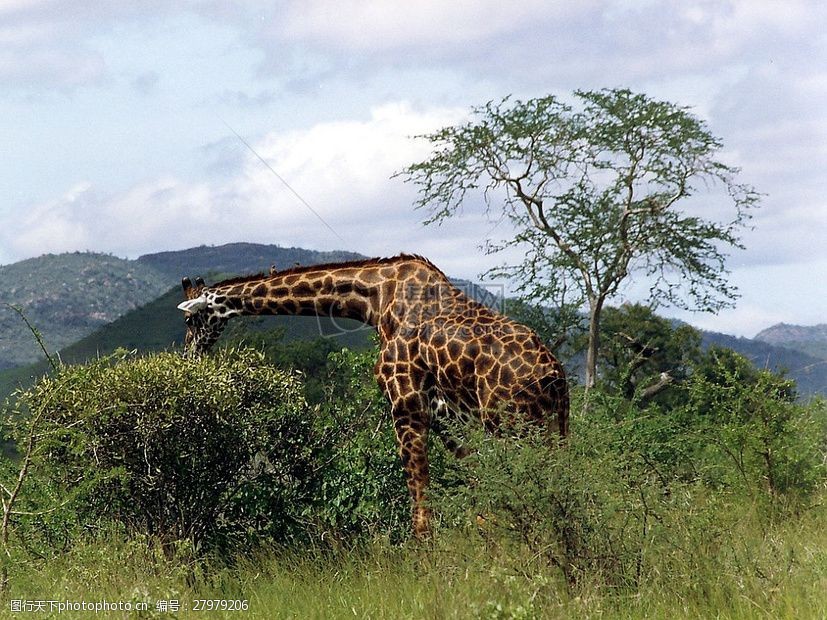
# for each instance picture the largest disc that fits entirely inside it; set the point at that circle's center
(595, 308)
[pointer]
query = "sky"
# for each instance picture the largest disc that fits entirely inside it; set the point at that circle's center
(121, 123)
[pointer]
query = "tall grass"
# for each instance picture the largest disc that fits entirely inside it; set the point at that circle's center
(764, 570)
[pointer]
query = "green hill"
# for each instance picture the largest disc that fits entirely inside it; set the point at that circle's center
(159, 324)
(68, 296)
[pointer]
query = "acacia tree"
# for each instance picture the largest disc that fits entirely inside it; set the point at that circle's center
(595, 192)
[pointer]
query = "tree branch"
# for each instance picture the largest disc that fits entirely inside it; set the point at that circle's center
(540, 221)
(664, 381)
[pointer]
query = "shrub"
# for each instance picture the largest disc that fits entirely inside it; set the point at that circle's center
(729, 425)
(638, 494)
(362, 487)
(207, 449)
(216, 451)
(579, 505)
(757, 436)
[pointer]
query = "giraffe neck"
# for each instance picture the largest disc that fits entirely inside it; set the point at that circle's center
(346, 293)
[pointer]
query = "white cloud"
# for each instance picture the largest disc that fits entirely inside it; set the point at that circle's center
(55, 226)
(531, 44)
(48, 44)
(381, 26)
(339, 166)
(540, 42)
(342, 169)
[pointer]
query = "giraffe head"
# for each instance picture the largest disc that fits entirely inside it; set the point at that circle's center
(204, 317)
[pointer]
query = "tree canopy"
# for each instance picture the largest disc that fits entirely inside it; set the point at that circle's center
(595, 191)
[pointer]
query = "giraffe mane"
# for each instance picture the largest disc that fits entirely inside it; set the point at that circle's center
(365, 262)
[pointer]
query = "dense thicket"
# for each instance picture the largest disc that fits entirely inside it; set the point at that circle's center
(217, 451)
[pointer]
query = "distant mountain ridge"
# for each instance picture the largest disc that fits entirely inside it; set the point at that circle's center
(97, 302)
(237, 259)
(810, 339)
(69, 296)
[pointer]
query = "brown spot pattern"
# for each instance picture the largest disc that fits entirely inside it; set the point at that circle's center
(441, 353)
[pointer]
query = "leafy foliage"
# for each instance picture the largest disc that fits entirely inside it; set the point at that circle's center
(643, 353)
(196, 449)
(639, 498)
(575, 507)
(310, 356)
(219, 451)
(362, 488)
(759, 436)
(637, 495)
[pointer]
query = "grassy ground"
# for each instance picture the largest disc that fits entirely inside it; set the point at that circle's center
(766, 570)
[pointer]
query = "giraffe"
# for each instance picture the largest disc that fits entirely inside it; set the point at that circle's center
(444, 359)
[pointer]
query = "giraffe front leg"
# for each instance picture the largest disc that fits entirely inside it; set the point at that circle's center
(411, 426)
(404, 386)
(411, 422)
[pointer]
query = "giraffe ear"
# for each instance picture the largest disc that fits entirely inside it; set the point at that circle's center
(193, 305)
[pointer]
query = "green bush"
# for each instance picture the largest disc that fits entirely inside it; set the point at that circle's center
(641, 494)
(729, 425)
(756, 436)
(362, 488)
(219, 451)
(206, 449)
(310, 357)
(574, 505)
